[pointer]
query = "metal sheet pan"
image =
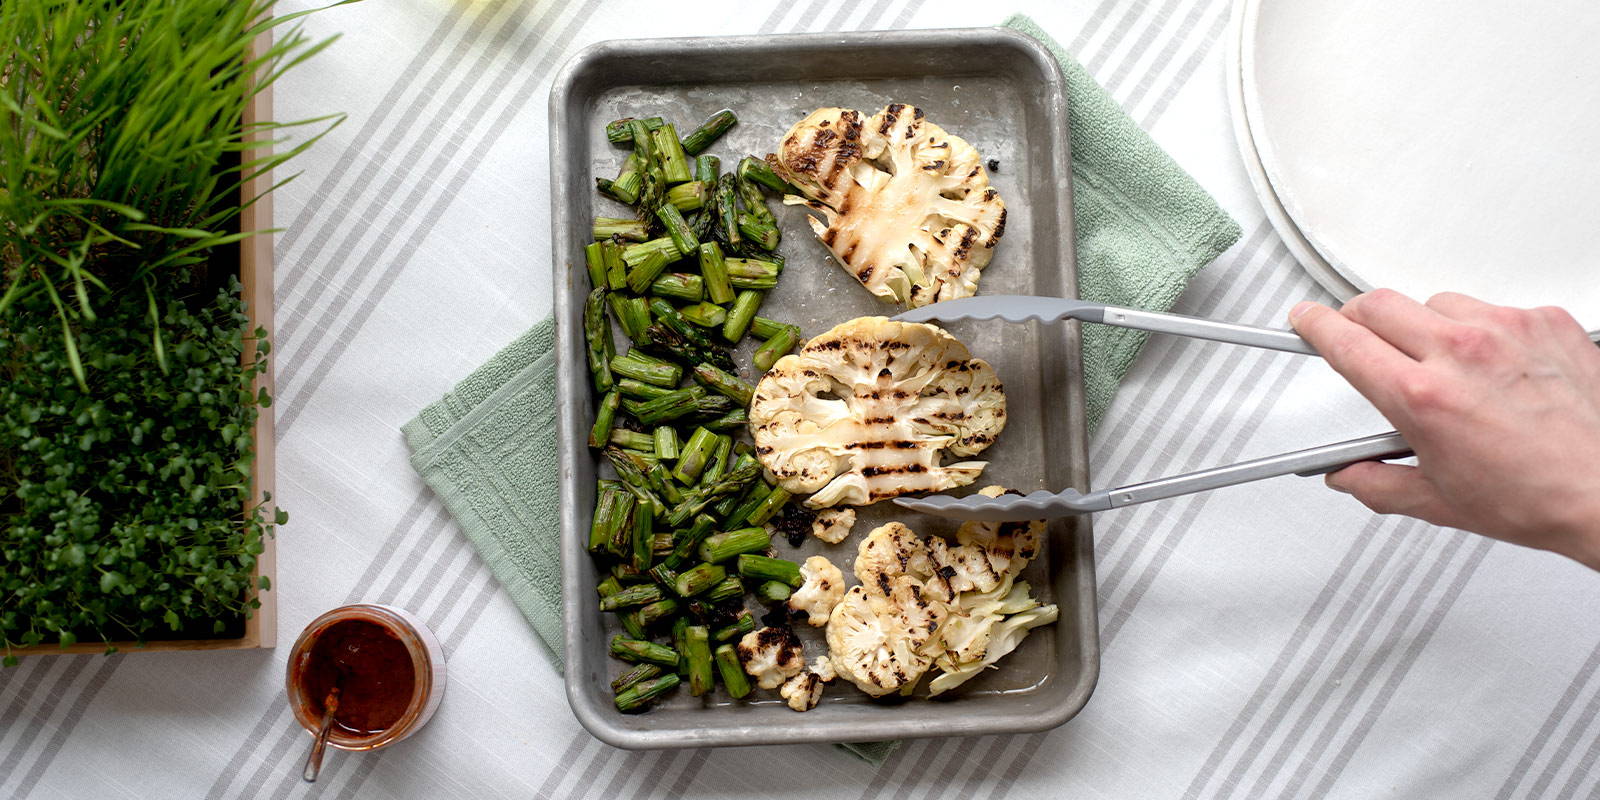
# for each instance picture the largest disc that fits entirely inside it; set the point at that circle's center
(1003, 93)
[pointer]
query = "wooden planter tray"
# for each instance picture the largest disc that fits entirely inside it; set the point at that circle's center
(255, 274)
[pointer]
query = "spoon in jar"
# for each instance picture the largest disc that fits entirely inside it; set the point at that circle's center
(320, 744)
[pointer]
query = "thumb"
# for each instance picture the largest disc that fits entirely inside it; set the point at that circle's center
(1394, 489)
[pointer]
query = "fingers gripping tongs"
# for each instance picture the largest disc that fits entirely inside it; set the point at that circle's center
(1045, 505)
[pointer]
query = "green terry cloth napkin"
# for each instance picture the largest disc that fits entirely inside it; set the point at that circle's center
(1144, 228)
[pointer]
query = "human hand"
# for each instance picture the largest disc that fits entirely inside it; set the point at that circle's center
(1501, 406)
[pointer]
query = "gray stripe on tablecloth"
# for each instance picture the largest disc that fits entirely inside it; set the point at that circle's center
(387, 107)
(1563, 752)
(1584, 770)
(779, 11)
(1189, 66)
(697, 762)
(654, 776)
(1366, 599)
(26, 678)
(836, 20)
(448, 166)
(1279, 670)
(52, 748)
(1558, 714)
(906, 14)
(1143, 86)
(328, 215)
(1351, 692)
(553, 780)
(1149, 29)
(338, 235)
(952, 767)
(1119, 33)
(60, 683)
(1413, 650)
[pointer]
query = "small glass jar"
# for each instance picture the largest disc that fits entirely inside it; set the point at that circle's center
(427, 663)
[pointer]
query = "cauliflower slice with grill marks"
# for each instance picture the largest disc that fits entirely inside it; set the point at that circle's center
(771, 655)
(906, 207)
(863, 412)
(804, 690)
(822, 590)
(879, 642)
(1009, 546)
(832, 525)
(889, 551)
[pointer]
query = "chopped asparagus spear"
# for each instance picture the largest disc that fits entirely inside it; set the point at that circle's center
(608, 505)
(674, 159)
(772, 593)
(697, 652)
(632, 313)
(608, 587)
(714, 268)
(729, 589)
(647, 368)
(754, 500)
(632, 470)
(651, 613)
(661, 480)
(637, 595)
(643, 538)
(730, 421)
(666, 443)
(679, 285)
(631, 624)
(776, 347)
(754, 169)
(640, 390)
(763, 328)
(639, 672)
(600, 348)
(617, 131)
(677, 229)
(632, 229)
(687, 541)
(689, 196)
(697, 579)
(696, 499)
(717, 464)
(616, 268)
(643, 143)
(727, 204)
(717, 124)
(762, 232)
(603, 419)
(725, 382)
(742, 625)
(769, 506)
(594, 259)
(668, 407)
(755, 204)
(642, 651)
(706, 315)
(733, 677)
(632, 440)
(740, 316)
(693, 455)
(723, 546)
(640, 277)
(707, 168)
(662, 543)
(764, 568)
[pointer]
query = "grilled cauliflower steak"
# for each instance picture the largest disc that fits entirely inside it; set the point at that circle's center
(771, 656)
(877, 642)
(889, 551)
(804, 690)
(1009, 546)
(863, 412)
(832, 525)
(906, 207)
(823, 587)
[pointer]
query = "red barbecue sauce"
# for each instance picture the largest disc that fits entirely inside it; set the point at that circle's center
(372, 669)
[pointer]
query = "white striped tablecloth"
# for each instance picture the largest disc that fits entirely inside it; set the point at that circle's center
(1266, 641)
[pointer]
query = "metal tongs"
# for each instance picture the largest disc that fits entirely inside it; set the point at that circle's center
(1067, 502)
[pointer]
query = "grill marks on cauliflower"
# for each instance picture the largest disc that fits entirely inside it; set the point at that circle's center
(832, 525)
(877, 642)
(804, 690)
(864, 410)
(906, 207)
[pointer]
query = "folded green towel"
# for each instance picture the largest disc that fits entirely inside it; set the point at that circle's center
(1144, 227)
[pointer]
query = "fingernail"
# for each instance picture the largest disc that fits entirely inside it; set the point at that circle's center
(1336, 487)
(1300, 309)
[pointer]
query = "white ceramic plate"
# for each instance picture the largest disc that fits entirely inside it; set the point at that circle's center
(1431, 145)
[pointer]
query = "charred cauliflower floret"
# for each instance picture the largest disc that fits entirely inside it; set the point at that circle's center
(879, 642)
(906, 207)
(889, 551)
(804, 690)
(832, 525)
(1009, 546)
(771, 655)
(823, 587)
(863, 412)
